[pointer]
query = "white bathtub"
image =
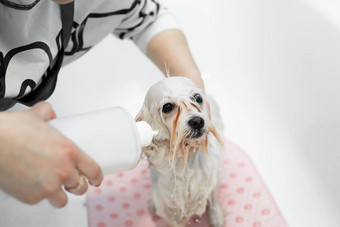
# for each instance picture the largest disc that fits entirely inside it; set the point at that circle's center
(273, 67)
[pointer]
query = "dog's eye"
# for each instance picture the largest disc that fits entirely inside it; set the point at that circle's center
(198, 98)
(167, 108)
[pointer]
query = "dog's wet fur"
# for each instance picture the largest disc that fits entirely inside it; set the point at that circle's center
(185, 156)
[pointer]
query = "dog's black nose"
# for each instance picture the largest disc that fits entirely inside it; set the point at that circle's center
(196, 122)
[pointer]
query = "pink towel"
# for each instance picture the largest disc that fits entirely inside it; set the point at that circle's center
(122, 199)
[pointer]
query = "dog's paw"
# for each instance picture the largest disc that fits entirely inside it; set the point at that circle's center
(216, 217)
(152, 208)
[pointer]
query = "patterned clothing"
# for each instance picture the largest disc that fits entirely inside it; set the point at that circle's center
(30, 35)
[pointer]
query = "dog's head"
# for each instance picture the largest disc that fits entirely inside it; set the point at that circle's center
(177, 108)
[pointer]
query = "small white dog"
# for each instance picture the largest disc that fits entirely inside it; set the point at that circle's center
(184, 157)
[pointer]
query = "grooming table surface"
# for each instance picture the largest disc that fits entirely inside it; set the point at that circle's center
(122, 199)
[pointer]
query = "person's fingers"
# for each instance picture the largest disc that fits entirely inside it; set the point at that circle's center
(79, 188)
(90, 169)
(58, 199)
(75, 183)
(44, 111)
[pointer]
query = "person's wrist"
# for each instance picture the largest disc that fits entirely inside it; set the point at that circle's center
(197, 79)
(194, 75)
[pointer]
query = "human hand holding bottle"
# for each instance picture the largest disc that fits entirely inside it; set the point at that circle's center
(36, 161)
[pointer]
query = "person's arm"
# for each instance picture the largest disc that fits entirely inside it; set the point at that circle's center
(158, 36)
(169, 49)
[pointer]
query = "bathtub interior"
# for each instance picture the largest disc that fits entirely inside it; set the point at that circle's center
(273, 68)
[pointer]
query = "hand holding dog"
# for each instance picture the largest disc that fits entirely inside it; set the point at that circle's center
(36, 160)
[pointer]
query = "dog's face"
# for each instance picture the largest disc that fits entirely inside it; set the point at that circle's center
(176, 107)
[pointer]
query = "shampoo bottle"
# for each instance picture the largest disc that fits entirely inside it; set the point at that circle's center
(111, 137)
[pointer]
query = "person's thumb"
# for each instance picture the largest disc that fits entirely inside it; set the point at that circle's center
(44, 111)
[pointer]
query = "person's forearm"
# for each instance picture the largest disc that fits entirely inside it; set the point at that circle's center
(170, 49)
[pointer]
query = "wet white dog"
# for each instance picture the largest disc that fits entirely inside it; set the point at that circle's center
(184, 157)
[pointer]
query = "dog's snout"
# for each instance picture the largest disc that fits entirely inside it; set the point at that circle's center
(196, 122)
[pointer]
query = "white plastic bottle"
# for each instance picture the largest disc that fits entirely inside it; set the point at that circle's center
(111, 137)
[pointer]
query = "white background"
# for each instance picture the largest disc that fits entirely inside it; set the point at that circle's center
(272, 65)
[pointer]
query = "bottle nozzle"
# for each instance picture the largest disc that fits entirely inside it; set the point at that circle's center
(146, 133)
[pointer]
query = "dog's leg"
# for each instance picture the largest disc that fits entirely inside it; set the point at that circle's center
(216, 214)
(176, 224)
(173, 218)
(181, 224)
